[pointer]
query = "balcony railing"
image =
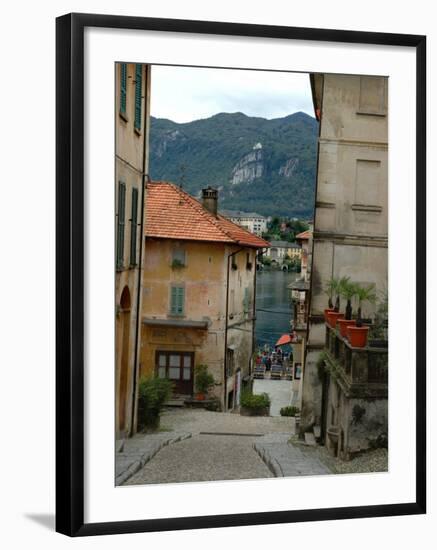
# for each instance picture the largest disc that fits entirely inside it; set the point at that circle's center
(357, 367)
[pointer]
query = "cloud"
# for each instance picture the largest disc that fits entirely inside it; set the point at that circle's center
(183, 94)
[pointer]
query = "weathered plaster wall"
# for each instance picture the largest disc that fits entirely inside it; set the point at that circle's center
(129, 154)
(351, 226)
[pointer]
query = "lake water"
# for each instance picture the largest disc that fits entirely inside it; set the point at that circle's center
(273, 306)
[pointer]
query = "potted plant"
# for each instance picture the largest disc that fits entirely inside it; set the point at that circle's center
(347, 291)
(358, 334)
(203, 381)
(332, 315)
(330, 290)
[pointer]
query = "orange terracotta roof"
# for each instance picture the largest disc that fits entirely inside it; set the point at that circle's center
(304, 235)
(171, 213)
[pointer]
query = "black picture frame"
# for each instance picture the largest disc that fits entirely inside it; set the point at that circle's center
(70, 273)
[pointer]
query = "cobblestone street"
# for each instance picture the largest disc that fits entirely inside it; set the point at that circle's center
(221, 447)
(204, 458)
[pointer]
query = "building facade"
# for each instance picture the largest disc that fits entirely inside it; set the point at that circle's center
(281, 251)
(253, 222)
(198, 304)
(347, 400)
(299, 296)
(131, 165)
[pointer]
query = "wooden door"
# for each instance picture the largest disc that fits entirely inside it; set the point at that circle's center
(178, 367)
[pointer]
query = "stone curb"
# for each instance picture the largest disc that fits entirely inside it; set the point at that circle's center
(284, 459)
(141, 457)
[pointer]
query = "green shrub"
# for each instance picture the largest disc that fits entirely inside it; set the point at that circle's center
(203, 379)
(289, 411)
(152, 394)
(255, 402)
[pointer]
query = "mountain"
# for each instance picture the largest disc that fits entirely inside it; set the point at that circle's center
(258, 165)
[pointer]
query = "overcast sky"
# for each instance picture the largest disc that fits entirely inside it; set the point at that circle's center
(183, 94)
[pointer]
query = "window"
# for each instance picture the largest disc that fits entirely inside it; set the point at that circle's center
(178, 367)
(138, 94)
(177, 300)
(133, 231)
(120, 223)
(178, 257)
(123, 83)
(373, 95)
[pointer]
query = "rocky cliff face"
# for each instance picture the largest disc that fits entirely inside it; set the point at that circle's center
(288, 168)
(250, 167)
(267, 166)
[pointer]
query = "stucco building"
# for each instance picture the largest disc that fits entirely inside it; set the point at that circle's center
(280, 251)
(347, 401)
(198, 303)
(299, 295)
(131, 164)
(253, 222)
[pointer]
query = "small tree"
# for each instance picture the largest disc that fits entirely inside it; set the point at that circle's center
(332, 289)
(347, 291)
(364, 294)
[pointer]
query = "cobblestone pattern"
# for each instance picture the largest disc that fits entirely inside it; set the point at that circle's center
(286, 460)
(204, 458)
(137, 451)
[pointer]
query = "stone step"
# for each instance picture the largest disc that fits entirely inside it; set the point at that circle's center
(310, 439)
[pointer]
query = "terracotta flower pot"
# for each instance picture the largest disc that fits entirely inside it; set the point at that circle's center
(333, 316)
(357, 336)
(200, 396)
(326, 311)
(343, 324)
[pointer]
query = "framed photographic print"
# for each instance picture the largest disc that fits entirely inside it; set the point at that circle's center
(240, 274)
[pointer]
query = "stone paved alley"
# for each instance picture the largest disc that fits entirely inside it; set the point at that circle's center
(204, 446)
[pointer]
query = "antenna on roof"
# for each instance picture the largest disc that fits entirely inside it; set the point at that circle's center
(182, 169)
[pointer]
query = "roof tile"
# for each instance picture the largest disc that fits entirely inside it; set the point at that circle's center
(171, 213)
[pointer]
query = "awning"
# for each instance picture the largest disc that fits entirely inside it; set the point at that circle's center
(283, 340)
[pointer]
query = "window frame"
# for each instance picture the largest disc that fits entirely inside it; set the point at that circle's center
(121, 225)
(173, 307)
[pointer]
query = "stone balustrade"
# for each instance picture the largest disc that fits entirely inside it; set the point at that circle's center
(358, 369)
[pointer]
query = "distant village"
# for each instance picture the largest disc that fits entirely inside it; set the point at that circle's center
(187, 274)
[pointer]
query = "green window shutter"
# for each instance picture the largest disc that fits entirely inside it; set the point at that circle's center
(138, 93)
(123, 86)
(134, 228)
(120, 223)
(246, 300)
(177, 300)
(181, 300)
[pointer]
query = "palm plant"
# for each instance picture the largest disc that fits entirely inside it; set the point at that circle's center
(332, 289)
(347, 291)
(364, 294)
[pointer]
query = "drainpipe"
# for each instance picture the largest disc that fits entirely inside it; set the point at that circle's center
(225, 362)
(145, 179)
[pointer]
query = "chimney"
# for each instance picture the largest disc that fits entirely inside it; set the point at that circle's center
(209, 200)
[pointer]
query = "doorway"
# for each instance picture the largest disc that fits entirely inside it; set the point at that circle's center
(124, 327)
